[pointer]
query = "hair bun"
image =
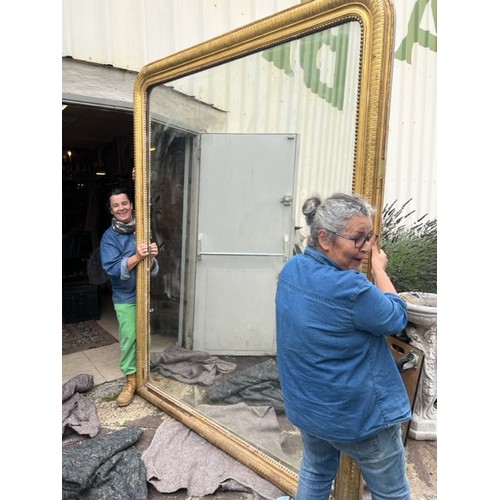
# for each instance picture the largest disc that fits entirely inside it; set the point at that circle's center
(309, 208)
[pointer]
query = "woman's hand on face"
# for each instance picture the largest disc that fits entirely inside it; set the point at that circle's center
(379, 263)
(379, 258)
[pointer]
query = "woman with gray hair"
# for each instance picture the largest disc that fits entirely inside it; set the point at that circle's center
(340, 383)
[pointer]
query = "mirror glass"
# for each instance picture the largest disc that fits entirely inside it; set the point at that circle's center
(231, 138)
(306, 89)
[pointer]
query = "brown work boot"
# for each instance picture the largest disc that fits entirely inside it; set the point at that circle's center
(127, 395)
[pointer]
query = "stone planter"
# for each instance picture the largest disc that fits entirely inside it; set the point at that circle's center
(422, 332)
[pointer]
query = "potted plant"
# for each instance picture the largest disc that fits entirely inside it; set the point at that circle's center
(412, 266)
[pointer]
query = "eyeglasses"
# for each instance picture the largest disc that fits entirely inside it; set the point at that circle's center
(360, 240)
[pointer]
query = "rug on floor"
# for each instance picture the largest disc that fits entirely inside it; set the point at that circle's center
(84, 335)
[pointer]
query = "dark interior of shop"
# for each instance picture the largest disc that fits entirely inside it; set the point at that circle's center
(97, 154)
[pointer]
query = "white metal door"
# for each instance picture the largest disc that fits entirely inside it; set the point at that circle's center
(245, 235)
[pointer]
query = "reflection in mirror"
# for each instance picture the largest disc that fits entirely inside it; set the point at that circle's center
(226, 145)
(231, 137)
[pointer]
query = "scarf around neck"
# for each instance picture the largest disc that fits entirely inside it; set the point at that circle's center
(123, 227)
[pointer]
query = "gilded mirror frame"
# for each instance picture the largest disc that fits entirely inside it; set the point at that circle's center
(376, 20)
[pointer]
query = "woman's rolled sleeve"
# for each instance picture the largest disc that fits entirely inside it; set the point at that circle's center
(380, 313)
(155, 268)
(124, 272)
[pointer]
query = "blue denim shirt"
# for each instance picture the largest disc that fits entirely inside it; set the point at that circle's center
(338, 376)
(115, 251)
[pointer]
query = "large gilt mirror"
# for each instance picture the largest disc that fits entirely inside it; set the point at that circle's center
(231, 136)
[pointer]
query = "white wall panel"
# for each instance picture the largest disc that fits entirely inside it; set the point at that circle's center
(411, 168)
(131, 33)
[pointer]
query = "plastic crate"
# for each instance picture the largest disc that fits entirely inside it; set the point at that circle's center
(80, 302)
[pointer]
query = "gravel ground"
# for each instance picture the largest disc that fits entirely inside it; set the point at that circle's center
(421, 455)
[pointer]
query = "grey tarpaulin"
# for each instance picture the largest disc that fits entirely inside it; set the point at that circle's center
(190, 367)
(78, 412)
(257, 386)
(105, 467)
(258, 424)
(178, 458)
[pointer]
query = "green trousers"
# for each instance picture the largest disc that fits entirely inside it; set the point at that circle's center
(125, 314)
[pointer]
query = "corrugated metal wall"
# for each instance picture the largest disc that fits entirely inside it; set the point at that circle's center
(325, 124)
(411, 150)
(130, 33)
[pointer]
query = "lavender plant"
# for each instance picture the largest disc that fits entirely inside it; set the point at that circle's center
(411, 248)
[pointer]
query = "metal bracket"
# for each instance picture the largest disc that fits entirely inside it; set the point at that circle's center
(286, 200)
(408, 362)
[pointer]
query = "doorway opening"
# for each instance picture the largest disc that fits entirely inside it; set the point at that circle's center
(97, 154)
